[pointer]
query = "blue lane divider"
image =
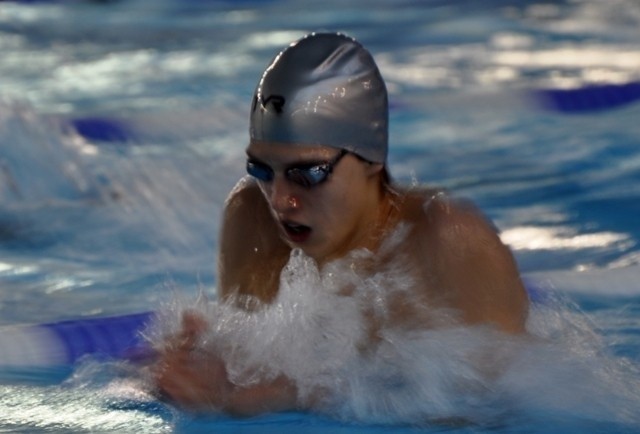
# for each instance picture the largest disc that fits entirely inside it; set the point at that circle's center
(103, 129)
(108, 337)
(117, 337)
(63, 343)
(565, 101)
(591, 98)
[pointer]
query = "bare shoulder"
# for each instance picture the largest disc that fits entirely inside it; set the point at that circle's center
(448, 221)
(245, 193)
(475, 272)
(251, 252)
(244, 205)
(456, 219)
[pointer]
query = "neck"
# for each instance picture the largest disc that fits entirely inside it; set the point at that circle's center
(386, 218)
(377, 219)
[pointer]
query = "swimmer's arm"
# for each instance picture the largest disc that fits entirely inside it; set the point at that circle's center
(251, 253)
(269, 397)
(204, 388)
(197, 381)
(475, 267)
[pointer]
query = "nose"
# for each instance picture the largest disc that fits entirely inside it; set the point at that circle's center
(282, 196)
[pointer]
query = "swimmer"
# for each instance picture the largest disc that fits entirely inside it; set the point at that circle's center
(318, 183)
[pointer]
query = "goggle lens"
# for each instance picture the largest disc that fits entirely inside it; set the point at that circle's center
(259, 171)
(304, 175)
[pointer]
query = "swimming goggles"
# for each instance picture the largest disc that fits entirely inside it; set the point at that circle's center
(306, 175)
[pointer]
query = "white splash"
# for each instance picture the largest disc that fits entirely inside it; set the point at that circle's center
(320, 336)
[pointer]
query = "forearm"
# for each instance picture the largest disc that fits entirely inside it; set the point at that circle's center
(274, 396)
(196, 394)
(200, 383)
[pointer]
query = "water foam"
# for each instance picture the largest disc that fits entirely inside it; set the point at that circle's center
(320, 336)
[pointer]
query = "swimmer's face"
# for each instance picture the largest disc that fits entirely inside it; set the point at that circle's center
(326, 219)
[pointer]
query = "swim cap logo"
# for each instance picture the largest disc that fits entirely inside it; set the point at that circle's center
(277, 101)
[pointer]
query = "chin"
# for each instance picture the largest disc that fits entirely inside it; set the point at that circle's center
(312, 254)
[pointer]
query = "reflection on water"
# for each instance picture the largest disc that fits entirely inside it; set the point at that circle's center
(558, 238)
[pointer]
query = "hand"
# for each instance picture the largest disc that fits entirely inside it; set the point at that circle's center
(190, 377)
(197, 380)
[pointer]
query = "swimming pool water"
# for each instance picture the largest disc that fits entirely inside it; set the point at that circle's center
(94, 227)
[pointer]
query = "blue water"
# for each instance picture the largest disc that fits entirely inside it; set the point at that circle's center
(92, 227)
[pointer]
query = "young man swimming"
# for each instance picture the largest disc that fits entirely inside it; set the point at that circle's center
(319, 186)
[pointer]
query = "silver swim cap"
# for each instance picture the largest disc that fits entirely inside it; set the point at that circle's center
(325, 89)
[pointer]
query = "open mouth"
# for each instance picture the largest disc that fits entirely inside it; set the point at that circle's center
(296, 232)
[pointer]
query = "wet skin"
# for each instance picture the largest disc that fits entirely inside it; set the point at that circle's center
(451, 251)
